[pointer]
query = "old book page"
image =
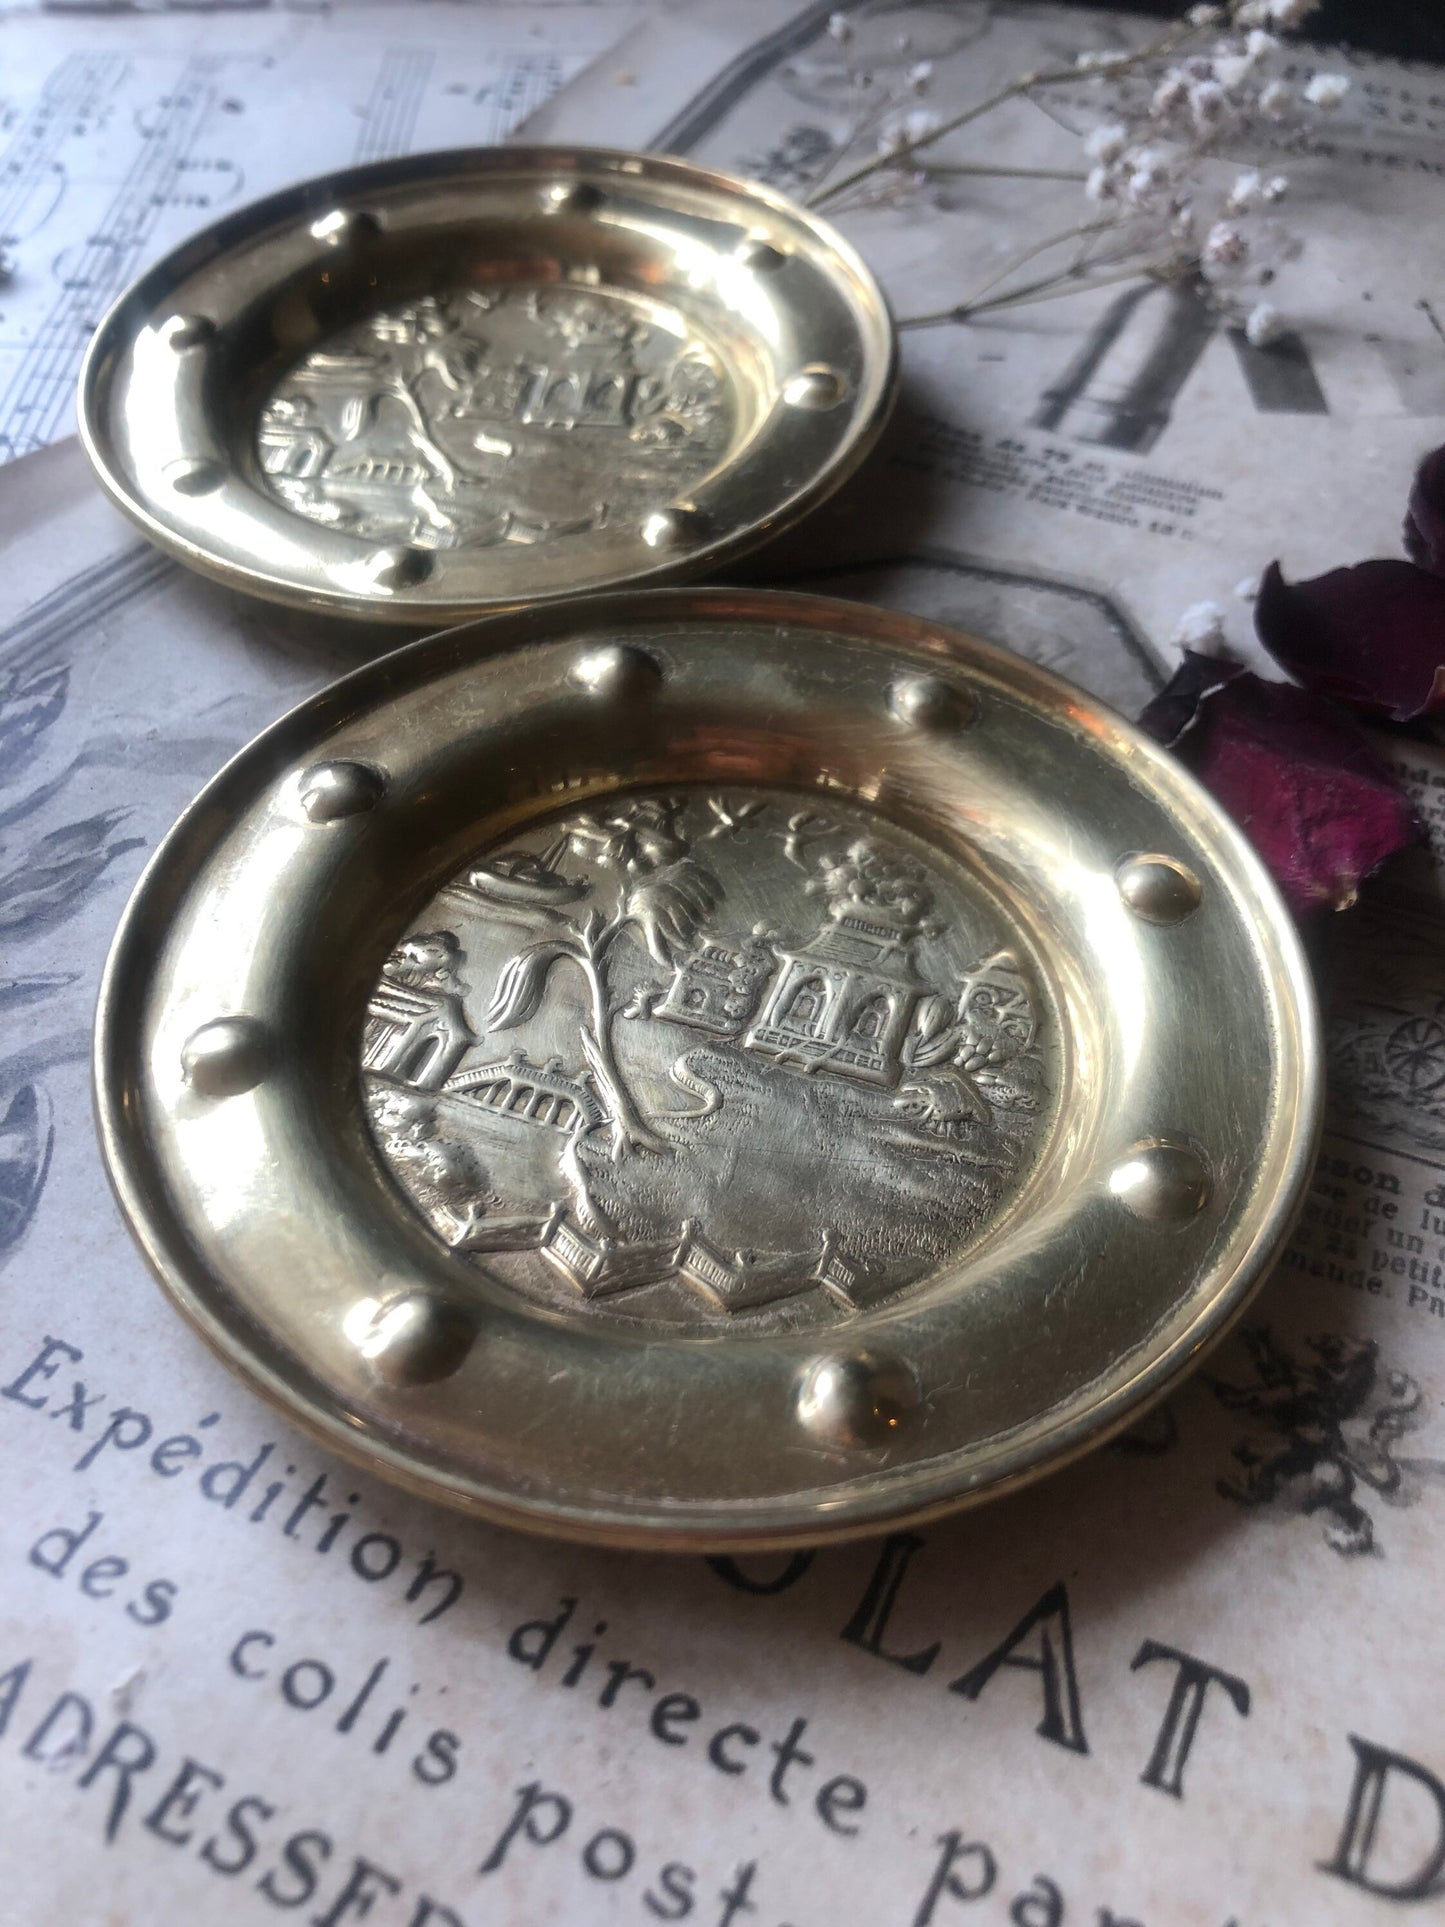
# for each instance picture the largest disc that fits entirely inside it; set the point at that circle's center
(1193, 1679)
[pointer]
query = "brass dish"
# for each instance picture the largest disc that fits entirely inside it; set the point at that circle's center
(441, 386)
(707, 1069)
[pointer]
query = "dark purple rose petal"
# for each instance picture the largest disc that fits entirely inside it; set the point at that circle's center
(1176, 708)
(1425, 517)
(1294, 772)
(1372, 637)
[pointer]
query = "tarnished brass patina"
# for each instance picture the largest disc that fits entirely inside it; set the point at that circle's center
(455, 383)
(707, 1069)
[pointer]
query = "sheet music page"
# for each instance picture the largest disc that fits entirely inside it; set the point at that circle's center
(120, 135)
(1192, 1679)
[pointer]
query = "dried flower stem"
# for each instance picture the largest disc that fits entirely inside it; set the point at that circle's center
(1079, 232)
(1008, 173)
(1048, 287)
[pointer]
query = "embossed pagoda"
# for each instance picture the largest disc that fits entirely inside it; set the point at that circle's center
(844, 1001)
(416, 1030)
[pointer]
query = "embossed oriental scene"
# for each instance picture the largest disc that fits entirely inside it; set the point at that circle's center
(711, 1057)
(517, 414)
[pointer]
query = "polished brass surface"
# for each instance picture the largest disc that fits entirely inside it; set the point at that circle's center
(707, 1068)
(459, 382)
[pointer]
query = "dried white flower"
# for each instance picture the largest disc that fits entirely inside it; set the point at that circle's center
(1327, 90)
(1204, 16)
(1276, 187)
(890, 140)
(1100, 62)
(1232, 70)
(919, 75)
(1201, 628)
(1247, 191)
(1259, 44)
(1101, 185)
(1224, 246)
(1263, 324)
(1291, 13)
(1276, 100)
(1171, 93)
(1207, 103)
(1106, 143)
(840, 28)
(1254, 13)
(1149, 174)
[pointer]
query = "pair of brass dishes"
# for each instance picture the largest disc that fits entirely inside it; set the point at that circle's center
(696, 1068)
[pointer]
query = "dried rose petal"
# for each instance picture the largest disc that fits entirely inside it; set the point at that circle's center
(1425, 517)
(1174, 709)
(1372, 636)
(1295, 774)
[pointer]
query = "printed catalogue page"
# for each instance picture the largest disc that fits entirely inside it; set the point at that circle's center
(1193, 1679)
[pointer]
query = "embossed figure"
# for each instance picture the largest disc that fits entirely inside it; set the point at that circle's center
(854, 1094)
(478, 417)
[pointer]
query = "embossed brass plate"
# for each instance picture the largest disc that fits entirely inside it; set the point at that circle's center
(460, 382)
(707, 1069)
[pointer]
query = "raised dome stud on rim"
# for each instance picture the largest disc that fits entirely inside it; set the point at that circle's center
(673, 528)
(759, 255)
(857, 1399)
(1158, 889)
(573, 197)
(617, 669)
(330, 791)
(226, 1056)
(413, 1338)
(189, 331)
(816, 387)
(344, 227)
(927, 702)
(196, 477)
(399, 568)
(1162, 1181)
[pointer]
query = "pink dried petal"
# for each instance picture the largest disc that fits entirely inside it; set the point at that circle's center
(1372, 637)
(1425, 517)
(1294, 772)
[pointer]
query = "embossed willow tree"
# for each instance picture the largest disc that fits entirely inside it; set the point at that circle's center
(664, 896)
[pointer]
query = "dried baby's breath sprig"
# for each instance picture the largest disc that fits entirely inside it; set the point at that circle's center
(1180, 102)
(1115, 63)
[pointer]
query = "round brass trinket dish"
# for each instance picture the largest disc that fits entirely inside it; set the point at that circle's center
(441, 386)
(707, 1069)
